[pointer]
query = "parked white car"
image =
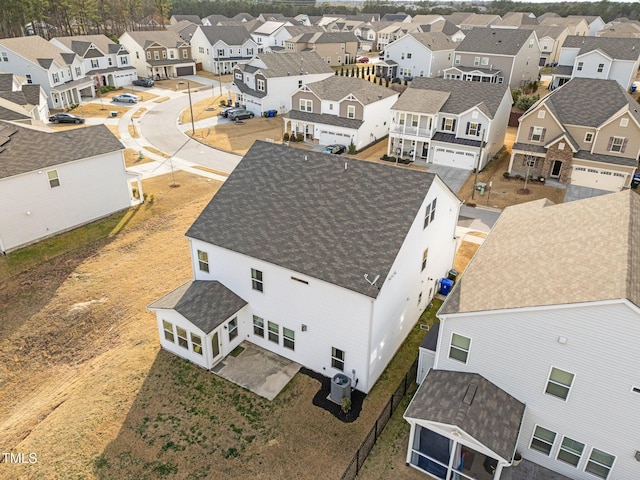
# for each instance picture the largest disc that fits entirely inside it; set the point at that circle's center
(126, 97)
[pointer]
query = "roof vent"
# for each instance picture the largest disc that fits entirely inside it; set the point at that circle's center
(470, 394)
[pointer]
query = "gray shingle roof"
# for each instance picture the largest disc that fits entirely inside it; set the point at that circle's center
(615, 47)
(206, 304)
(474, 405)
(6, 81)
(188, 18)
(589, 102)
(323, 119)
(462, 95)
(229, 35)
(30, 149)
(602, 158)
(451, 138)
(526, 147)
(80, 43)
(430, 340)
(309, 214)
(591, 245)
(336, 88)
(37, 50)
(288, 63)
(166, 38)
(434, 40)
(420, 101)
(12, 115)
(31, 93)
(497, 41)
(551, 31)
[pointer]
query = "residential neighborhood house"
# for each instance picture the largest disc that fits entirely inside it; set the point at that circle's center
(81, 178)
(336, 49)
(342, 110)
(325, 263)
(518, 368)
(219, 49)
(446, 122)
(22, 102)
(585, 133)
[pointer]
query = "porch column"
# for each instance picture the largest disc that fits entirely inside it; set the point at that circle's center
(139, 183)
(451, 457)
(498, 472)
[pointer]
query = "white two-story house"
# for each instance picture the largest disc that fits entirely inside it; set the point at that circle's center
(417, 55)
(342, 110)
(271, 35)
(103, 59)
(60, 73)
(221, 48)
(324, 263)
(22, 102)
(268, 80)
(540, 357)
(449, 122)
(606, 58)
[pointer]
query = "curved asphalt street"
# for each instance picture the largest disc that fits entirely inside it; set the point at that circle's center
(159, 126)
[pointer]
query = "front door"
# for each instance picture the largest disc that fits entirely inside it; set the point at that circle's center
(215, 347)
(555, 169)
(425, 150)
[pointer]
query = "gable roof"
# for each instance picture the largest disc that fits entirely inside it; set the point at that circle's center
(189, 18)
(214, 19)
(230, 35)
(37, 50)
(309, 214)
(206, 304)
(166, 38)
(460, 96)
(336, 88)
(269, 27)
(443, 26)
(23, 152)
(480, 19)
(80, 43)
(591, 245)
(434, 40)
(614, 47)
(497, 41)
(287, 63)
(589, 101)
(474, 405)
(551, 31)
(515, 19)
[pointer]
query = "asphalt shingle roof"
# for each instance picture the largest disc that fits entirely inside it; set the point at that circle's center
(590, 245)
(474, 405)
(37, 50)
(336, 88)
(80, 43)
(29, 149)
(427, 93)
(166, 38)
(615, 47)
(308, 213)
(229, 35)
(287, 63)
(206, 304)
(589, 102)
(434, 40)
(497, 41)
(323, 119)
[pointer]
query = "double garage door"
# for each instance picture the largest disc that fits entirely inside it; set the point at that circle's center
(598, 178)
(328, 138)
(182, 71)
(454, 158)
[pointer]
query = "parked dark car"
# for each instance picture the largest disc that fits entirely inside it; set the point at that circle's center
(240, 114)
(143, 82)
(226, 111)
(335, 149)
(65, 118)
(362, 59)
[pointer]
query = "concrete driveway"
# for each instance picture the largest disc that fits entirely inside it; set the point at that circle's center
(575, 192)
(453, 177)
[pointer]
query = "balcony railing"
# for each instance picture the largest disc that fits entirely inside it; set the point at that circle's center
(414, 131)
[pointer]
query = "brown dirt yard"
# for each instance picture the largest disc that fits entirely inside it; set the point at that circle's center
(84, 386)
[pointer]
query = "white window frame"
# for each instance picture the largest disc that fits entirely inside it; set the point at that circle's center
(5, 56)
(476, 61)
(448, 124)
(588, 137)
(558, 384)
(167, 327)
(232, 327)
(617, 146)
(260, 84)
(425, 255)
(456, 60)
(182, 338)
(484, 61)
(624, 122)
(542, 440)
(351, 111)
(563, 449)
(430, 213)
(600, 67)
(95, 63)
(54, 178)
(537, 132)
(55, 77)
(258, 326)
(156, 55)
(306, 105)
(185, 53)
(337, 358)
(590, 461)
(203, 261)
(273, 332)
(196, 343)
(580, 66)
(288, 338)
(459, 348)
(473, 129)
(257, 281)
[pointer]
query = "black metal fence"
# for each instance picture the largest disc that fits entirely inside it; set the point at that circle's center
(372, 437)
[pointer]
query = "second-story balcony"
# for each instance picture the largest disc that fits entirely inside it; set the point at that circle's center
(409, 130)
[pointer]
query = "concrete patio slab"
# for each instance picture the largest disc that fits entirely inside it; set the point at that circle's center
(453, 177)
(258, 370)
(575, 192)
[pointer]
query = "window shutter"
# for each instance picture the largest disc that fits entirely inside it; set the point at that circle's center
(544, 131)
(624, 145)
(468, 125)
(609, 144)
(442, 124)
(530, 133)
(479, 132)
(453, 125)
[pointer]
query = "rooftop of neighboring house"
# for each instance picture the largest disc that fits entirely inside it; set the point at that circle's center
(589, 102)
(457, 18)
(588, 18)
(272, 17)
(617, 48)
(433, 95)
(273, 65)
(442, 26)
(26, 94)
(336, 88)
(562, 21)
(426, 19)
(498, 41)
(269, 27)
(189, 18)
(332, 218)
(516, 19)
(325, 37)
(79, 44)
(243, 17)
(214, 19)
(38, 51)
(21, 148)
(434, 40)
(165, 38)
(395, 17)
(184, 28)
(229, 35)
(590, 245)
(480, 20)
(542, 31)
(297, 30)
(625, 30)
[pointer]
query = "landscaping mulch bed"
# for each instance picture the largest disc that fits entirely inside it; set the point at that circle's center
(321, 399)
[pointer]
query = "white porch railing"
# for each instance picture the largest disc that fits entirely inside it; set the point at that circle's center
(415, 131)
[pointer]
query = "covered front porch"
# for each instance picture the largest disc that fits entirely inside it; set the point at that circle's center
(67, 94)
(463, 427)
(474, 74)
(387, 69)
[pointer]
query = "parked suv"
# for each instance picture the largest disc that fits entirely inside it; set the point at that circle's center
(240, 114)
(143, 82)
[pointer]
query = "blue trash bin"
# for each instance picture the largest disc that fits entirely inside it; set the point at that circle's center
(634, 88)
(445, 286)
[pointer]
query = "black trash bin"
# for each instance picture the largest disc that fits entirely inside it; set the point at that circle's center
(453, 274)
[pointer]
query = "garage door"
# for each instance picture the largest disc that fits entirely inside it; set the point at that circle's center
(327, 138)
(454, 158)
(182, 71)
(598, 178)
